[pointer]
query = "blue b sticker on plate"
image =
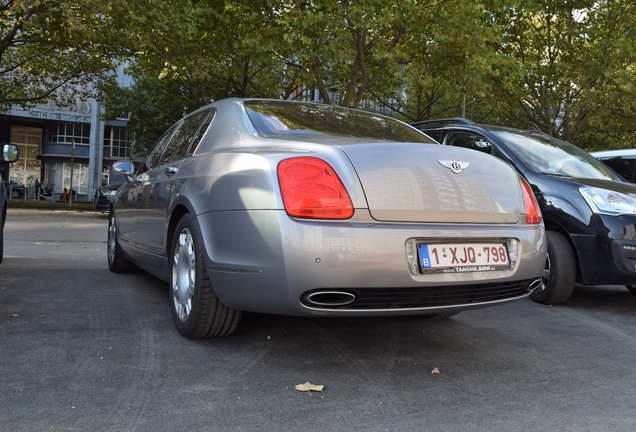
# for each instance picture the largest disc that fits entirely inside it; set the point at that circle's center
(425, 261)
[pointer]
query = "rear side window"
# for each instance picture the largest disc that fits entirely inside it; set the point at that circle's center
(155, 153)
(622, 166)
(184, 136)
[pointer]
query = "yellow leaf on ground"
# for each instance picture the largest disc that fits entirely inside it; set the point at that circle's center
(13, 315)
(435, 371)
(309, 387)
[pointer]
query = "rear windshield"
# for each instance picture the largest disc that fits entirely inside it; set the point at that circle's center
(281, 118)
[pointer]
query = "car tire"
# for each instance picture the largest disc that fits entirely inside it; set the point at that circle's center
(440, 316)
(197, 311)
(15, 194)
(117, 262)
(631, 288)
(559, 274)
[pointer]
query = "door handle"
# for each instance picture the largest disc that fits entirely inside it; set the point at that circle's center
(170, 171)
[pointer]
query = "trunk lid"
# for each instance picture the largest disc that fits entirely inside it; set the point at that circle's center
(408, 182)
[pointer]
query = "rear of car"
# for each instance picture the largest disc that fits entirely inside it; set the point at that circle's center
(393, 256)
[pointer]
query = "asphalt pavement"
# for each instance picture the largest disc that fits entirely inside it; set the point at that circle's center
(84, 349)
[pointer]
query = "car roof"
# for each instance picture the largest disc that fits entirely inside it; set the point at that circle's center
(614, 153)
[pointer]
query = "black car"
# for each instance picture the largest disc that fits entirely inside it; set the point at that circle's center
(103, 196)
(8, 153)
(14, 190)
(589, 211)
(623, 162)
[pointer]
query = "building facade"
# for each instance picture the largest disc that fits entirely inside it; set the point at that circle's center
(60, 146)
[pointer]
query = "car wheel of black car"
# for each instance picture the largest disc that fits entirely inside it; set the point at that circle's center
(559, 275)
(196, 309)
(631, 288)
(117, 262)
(15, 194)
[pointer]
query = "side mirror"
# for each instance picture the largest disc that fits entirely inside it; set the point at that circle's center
(10, 153)
(126, 168)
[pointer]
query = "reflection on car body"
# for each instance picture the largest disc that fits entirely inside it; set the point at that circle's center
(314, 210)
(589, 211)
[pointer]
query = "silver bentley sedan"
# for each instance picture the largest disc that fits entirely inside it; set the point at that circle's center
(308, 209)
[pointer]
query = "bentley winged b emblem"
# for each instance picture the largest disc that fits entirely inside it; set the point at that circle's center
(454, 166)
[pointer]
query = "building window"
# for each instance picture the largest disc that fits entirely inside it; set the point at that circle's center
(67, 132)
(28, 139)
(117, 139)
(59, 177)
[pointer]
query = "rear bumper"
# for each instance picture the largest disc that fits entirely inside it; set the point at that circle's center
(263, 261)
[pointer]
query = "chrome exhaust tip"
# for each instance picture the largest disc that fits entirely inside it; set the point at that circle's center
(533, 285)
(329, 298)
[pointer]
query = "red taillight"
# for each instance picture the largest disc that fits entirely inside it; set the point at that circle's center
(533, 213)
(311, 189)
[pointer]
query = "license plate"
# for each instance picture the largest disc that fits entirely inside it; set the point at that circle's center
(463, 257)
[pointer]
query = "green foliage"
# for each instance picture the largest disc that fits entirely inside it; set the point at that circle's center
(53, 49)
(564, 67)
(152, 105)
(570, 60)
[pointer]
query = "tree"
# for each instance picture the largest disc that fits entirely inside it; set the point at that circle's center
(446, 67)
(50, 49)
(571, 56)
(152, 105)
(274, 48)
(345, 48)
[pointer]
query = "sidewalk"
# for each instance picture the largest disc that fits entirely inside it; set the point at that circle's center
(49, 205)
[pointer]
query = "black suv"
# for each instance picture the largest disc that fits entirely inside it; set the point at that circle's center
(588, 210)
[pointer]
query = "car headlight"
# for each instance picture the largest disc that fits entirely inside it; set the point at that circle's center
(110, 193)
(607, 202)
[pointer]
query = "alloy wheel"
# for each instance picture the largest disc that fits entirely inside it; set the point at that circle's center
(183, 275)
(112, 236)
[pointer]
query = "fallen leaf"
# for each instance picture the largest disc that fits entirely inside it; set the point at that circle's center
(435, 371)
(13, 315)
(43, 316)
(309, 387)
